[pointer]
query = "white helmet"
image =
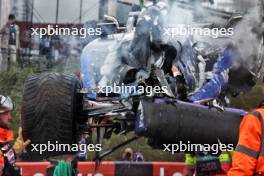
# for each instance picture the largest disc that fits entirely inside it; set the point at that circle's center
(6, 104)
(162, 5)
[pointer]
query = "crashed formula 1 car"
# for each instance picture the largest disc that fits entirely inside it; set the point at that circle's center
(190, 100)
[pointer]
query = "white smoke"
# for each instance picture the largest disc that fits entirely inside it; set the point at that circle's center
(247, 32)
(247, 36)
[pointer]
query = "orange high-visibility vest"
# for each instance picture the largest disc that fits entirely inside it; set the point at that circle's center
(248, 159)
(6, 136)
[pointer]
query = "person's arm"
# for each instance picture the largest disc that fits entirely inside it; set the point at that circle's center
(245, 157)
(17, 37)
(2, 30)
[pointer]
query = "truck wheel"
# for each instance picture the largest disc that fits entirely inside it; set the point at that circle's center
(49, 114)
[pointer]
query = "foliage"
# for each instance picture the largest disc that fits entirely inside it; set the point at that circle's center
(11, 84)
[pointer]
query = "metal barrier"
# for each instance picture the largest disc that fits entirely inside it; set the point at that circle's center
(115, 168)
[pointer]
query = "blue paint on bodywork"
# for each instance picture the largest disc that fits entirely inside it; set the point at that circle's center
(218, 83)
(87, 73)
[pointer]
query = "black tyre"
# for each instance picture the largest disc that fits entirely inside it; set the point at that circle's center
(49, 112)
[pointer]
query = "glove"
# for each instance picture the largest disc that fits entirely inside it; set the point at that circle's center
(63, 169)
(19, 144)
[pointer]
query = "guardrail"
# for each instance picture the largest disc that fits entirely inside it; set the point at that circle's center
(111, 168)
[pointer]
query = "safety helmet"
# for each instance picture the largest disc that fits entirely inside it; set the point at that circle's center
(6, 104)
(162, 5)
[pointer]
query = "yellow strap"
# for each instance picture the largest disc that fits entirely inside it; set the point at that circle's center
(190, 160)
(224, 157)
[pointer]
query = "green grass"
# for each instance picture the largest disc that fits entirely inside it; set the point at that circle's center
(248, 100)
(139, 145)
(11, 84)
